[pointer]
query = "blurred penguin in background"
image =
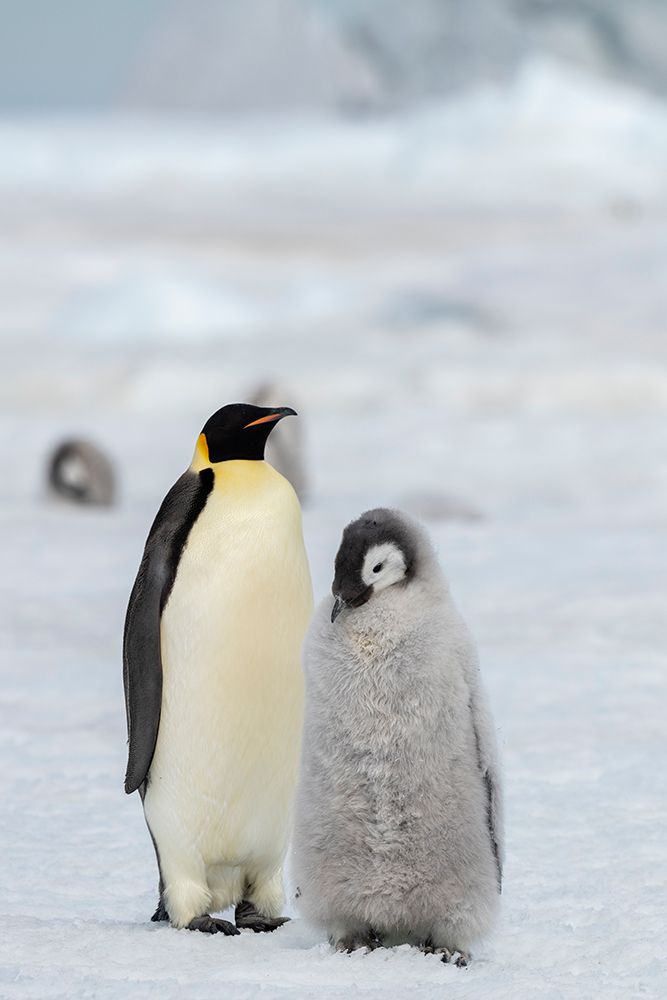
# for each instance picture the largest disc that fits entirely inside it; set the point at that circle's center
(399, 830)
(285, 449)
(80, 472)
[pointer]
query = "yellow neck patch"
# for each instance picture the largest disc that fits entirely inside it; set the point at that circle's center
(243, 474)
(200, 459)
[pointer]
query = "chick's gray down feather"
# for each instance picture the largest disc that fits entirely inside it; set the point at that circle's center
(399, 828)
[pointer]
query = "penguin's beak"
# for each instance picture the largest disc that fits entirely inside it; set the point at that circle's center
(275, 415)
(338, 606)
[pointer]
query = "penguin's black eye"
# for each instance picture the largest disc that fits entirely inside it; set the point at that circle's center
(376, 569)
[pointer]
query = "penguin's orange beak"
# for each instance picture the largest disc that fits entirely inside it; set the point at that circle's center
(264, 420)
(268, 418)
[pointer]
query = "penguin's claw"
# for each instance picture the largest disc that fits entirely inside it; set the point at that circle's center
(263, 924)
(212, 925)
(458, 958)
(354, 942)
(160, 913)
(248, 917)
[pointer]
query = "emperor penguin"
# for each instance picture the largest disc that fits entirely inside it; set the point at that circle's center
(213, 678)
(399, 821)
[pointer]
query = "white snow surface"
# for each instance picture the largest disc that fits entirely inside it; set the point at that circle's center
(505, 353)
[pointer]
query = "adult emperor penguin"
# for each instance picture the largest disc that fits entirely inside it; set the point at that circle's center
(398, 828)
(213, 679)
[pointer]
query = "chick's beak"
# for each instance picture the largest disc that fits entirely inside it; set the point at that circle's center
(338, 606)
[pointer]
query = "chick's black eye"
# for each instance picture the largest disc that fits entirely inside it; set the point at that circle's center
(376, 569)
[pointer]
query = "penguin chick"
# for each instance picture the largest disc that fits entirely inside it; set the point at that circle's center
(213, 679)
(81, 473)
(398, 827)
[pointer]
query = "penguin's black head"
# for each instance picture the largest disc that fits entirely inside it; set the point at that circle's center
(240, 430)
(377, 551)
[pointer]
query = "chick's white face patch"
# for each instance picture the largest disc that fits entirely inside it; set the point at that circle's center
(383, 566)
(73, 472)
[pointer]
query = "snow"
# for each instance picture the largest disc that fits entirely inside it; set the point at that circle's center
(498, 350)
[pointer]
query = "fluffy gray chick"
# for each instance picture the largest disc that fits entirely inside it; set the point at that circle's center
(398, 833)
(80, 472)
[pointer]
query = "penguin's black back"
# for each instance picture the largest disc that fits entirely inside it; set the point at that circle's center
(142, 661)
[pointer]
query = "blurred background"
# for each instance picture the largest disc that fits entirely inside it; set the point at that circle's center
(437, 227)
(438, 230)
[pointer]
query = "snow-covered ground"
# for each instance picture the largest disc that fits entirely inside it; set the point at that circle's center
(498, 349)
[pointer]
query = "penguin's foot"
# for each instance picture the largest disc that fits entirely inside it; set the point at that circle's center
(458, 958)
(248, 917)
(160, 913)
(212, 925)
(352, 942)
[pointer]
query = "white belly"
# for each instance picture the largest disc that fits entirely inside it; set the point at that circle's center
(225, 763)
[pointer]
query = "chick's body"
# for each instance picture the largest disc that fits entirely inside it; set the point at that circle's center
(398, 814)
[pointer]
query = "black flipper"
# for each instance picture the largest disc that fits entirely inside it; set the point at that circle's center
(142, 662)
(493, 803)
